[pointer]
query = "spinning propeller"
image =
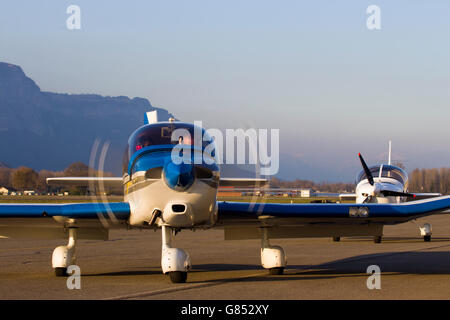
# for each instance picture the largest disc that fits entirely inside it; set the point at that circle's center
(385, 193)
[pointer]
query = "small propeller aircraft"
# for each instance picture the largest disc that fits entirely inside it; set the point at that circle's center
(160, 193)
(386, 183)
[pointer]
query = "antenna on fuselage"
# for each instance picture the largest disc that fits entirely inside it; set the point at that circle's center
(390, 150)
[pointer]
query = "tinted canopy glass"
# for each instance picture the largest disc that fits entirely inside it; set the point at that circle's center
(166, 134)
(387, 171)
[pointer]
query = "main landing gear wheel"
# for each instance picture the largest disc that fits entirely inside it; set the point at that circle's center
(336, 239)
(178, 276)
(272, 257)
(64, 256)
(61, 272)
(377, 239)
(276, 271)
(426, 231)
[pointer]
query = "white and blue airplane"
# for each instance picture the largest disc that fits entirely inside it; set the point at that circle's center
(160, 193)
(386, 183)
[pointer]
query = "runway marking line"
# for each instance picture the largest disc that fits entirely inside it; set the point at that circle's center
(176, 289)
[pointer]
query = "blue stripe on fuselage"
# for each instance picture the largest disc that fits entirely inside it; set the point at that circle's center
(157, 156)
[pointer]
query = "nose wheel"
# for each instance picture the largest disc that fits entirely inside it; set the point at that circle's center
(174, 261)
(178, 276)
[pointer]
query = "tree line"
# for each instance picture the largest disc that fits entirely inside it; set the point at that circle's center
(430, 180)
(24, 178)
(420, 180)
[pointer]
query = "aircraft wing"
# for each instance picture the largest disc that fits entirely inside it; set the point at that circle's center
(241, 220)
(347, 197)
(118, 181)
(417, 196)
(86, 181)
(243, 182)
(49, 220)
(421, 196)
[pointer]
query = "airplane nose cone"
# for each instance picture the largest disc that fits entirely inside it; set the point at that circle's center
(376, 189)
(179, 176)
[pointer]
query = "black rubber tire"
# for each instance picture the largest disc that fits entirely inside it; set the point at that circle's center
(377, 239)
(336, 239)
(276, 271)
(427, 238)
(61, 272)
(178, 276)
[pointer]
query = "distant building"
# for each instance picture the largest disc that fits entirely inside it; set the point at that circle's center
(306, 193)
(228, 192)
(4, 191)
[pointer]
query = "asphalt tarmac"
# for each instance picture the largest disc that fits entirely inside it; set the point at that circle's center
(128, 267)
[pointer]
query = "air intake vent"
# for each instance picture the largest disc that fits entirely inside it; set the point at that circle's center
(178, 208)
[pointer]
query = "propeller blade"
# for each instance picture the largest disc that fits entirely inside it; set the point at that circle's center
(366, 170)
(389, 193)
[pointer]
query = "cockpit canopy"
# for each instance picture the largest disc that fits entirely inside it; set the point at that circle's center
(165, 133)
(387, 171)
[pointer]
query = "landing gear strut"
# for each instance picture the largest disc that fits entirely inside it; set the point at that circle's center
(272, 257)
(426, 231)
(175, 262)
(64, 256)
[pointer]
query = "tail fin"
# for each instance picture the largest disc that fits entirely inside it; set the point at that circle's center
(151, 117)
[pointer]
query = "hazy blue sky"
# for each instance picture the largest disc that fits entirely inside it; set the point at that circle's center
(310, 68)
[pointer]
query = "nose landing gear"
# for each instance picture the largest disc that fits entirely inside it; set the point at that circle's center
(175, 262)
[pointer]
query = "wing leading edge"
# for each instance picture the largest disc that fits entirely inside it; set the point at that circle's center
(86, 181)
(392, 213)
(120, 210)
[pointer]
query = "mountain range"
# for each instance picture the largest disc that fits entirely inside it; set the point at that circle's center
(45, 130)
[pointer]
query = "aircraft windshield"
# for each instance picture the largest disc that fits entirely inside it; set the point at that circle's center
(167, 133)
(386, 172)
